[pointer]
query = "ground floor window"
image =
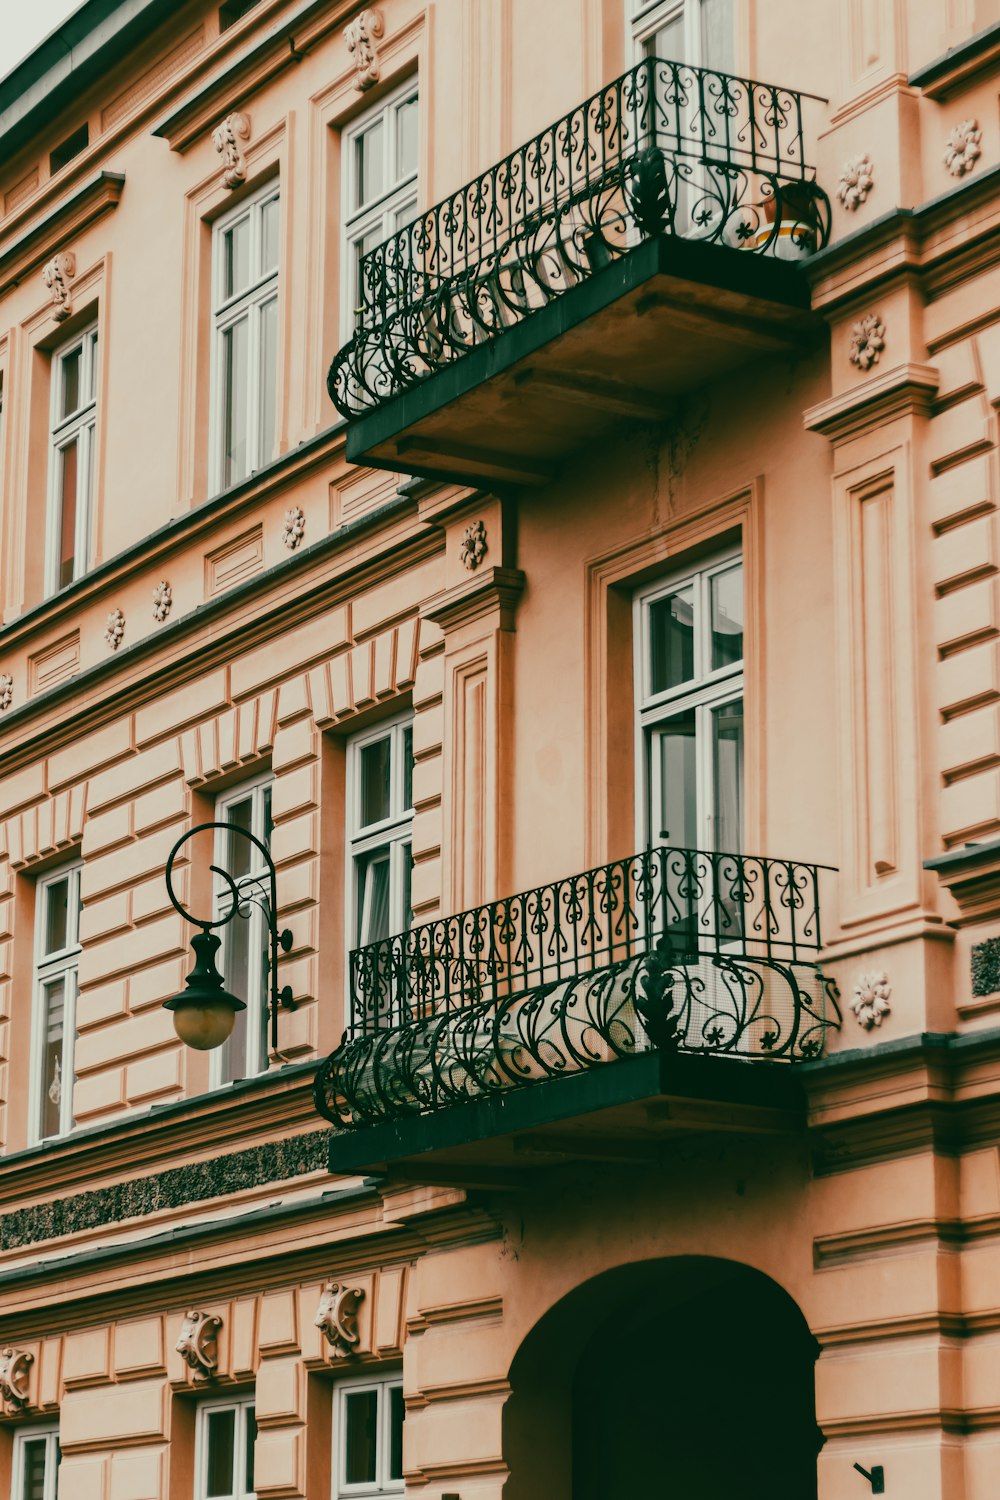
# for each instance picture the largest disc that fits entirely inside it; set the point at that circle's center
(368, 1439)
(224, 1444)
(36, 1464)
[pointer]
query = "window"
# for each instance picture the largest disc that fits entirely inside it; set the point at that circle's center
(380, 823)
(67, 149)
(700, 32)
(224, 1443)
(71, 461)
(380, 186)
(36, 1463)
(245, 349)
(368, 1439)
(244, 955)
(690, 704)
(233, 11)
(57, 954)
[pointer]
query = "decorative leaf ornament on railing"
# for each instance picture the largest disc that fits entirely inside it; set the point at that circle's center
(665, 149)
(674, 949)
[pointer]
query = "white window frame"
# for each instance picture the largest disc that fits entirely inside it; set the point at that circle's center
(383, 1485)
(61, 964)
(53, 1455)
(644, 18)
(257, 879)
(79, 427)
(400, 194)
(394, 833)
(241, 1405)
(264, 286)
(707, 689)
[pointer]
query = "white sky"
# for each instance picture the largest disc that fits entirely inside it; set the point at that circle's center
(25, 23)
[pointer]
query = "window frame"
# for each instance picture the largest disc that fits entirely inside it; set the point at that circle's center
(644, 18)
(258, 1058)
(263, 287)
(79, 427)
(707, 689)
(358, 223)
(241, 1405)
(24, 1435)
(63, 962)
(394, 833)
(383, 1484)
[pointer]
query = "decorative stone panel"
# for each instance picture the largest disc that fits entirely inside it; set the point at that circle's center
(963, 148)
(226, 139)
(57, 275)
(870, 1000)
(337, 1317)
(198, 1344)
(362, 37)
(857, 178)
(15, 1367)
(867, 342)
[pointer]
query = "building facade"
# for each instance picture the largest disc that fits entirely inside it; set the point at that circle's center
(536, 487)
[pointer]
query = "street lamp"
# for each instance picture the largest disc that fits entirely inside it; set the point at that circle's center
(204, 1011)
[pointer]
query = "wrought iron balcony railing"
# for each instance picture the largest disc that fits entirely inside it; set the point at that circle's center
(673, 948)
(666, 148)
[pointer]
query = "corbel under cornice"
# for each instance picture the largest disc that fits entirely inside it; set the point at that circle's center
(903, 390)
(94, 197)
(492, 589)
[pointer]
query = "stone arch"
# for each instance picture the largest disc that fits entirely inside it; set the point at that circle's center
(688, 1375)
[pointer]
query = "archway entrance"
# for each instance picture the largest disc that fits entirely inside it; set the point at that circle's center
(686, 1379)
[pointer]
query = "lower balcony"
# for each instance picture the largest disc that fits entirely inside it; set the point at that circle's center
(601, 1013)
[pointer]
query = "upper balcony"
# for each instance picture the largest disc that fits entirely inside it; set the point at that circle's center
(643, 244)
(675, 976)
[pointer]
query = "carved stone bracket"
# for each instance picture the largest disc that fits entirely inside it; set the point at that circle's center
(6, 691)
(163, 599)
(337, 1316)
(15, 1365)
(867, 342)
(226, 139)
(857, 178)
(198, 1344)
(362, 37)
(473, 546)
(963, 148)
(57, 275)
(115, 632)
(870, 1000)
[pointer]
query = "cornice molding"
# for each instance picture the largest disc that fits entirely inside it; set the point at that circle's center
(972, 875)
(93, 198)
(492, 590)
(960, 65)
(903, 390)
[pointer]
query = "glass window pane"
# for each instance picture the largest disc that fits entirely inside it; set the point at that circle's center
(369, 167)
(68, 488)
(373, 897)
(269, 220)
(234, 421)
(727, 750)
(674, 763)
(717, 35)
(268, 378)
(407, 886)
(671, 640)
(220, 1434)
(56, 922)
(396, 1415)
(375, 793)
(404, 215)
(668, 41)
(33, 1470)
(251, 1440)
(268, 820)
(236, 258)
(407, 116)
(239, 850)
(727, 618)
(53, 1082)
(361, 248)
(71, 366)
(408, 767)
(360, 1437)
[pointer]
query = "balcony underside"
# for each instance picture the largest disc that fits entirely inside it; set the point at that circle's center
(630, 1110)
(619, 348)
